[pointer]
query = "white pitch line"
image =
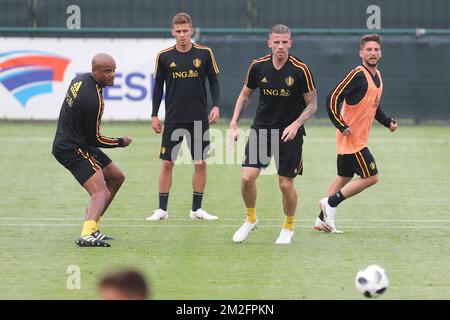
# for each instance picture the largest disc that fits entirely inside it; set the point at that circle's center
(162, 224)
(224, 219)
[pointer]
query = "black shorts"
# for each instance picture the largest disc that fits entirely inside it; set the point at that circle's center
(262, 144)
(361, 163)
(83, 162)
(197, 138)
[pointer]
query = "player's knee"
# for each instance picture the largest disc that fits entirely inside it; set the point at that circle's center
(375, 179)
(119, 179)
(167, 166)
(285, 186)
(247, 180)
(200, 167)
(370, 181)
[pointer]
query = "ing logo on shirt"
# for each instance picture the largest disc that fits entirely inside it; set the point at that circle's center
(185, 74)
(276, 92)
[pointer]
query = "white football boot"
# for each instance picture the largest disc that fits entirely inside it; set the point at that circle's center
(328, 217)
(285, 236)
(202, 214)
(242, 233)
(158, 214)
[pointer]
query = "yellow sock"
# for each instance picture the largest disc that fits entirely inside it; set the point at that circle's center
(289, 222)
(97, 225)
(88, 227)
(251, 215)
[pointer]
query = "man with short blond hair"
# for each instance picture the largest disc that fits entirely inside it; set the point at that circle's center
(181, 18)
(287, 100)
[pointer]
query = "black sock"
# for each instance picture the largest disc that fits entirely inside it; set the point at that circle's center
(321, 215)
(197, 200)
(335, 199)
(163, 199)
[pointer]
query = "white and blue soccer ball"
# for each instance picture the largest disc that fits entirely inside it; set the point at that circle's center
(372, 281)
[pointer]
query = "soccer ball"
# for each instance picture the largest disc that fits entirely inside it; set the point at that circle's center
(372, 281)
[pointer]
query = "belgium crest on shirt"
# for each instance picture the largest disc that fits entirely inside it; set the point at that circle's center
(197, 63)
(290, 81)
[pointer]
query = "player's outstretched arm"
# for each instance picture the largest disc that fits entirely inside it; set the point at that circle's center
(92, 120)
(126, 141)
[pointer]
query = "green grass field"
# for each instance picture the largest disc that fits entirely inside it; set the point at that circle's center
(402, 223)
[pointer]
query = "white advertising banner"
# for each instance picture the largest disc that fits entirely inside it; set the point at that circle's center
(35, 74)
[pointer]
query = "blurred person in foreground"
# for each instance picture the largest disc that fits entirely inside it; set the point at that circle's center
(126, 284)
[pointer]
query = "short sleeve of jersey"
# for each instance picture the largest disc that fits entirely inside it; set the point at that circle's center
(251, 80)
(306, 80)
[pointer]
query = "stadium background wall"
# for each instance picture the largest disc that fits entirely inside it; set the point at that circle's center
(414, 68)
(397, 14)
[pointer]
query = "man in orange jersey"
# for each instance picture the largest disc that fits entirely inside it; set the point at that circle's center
(360, 94)
(287, 99)
(184, 69)
(77, 141)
